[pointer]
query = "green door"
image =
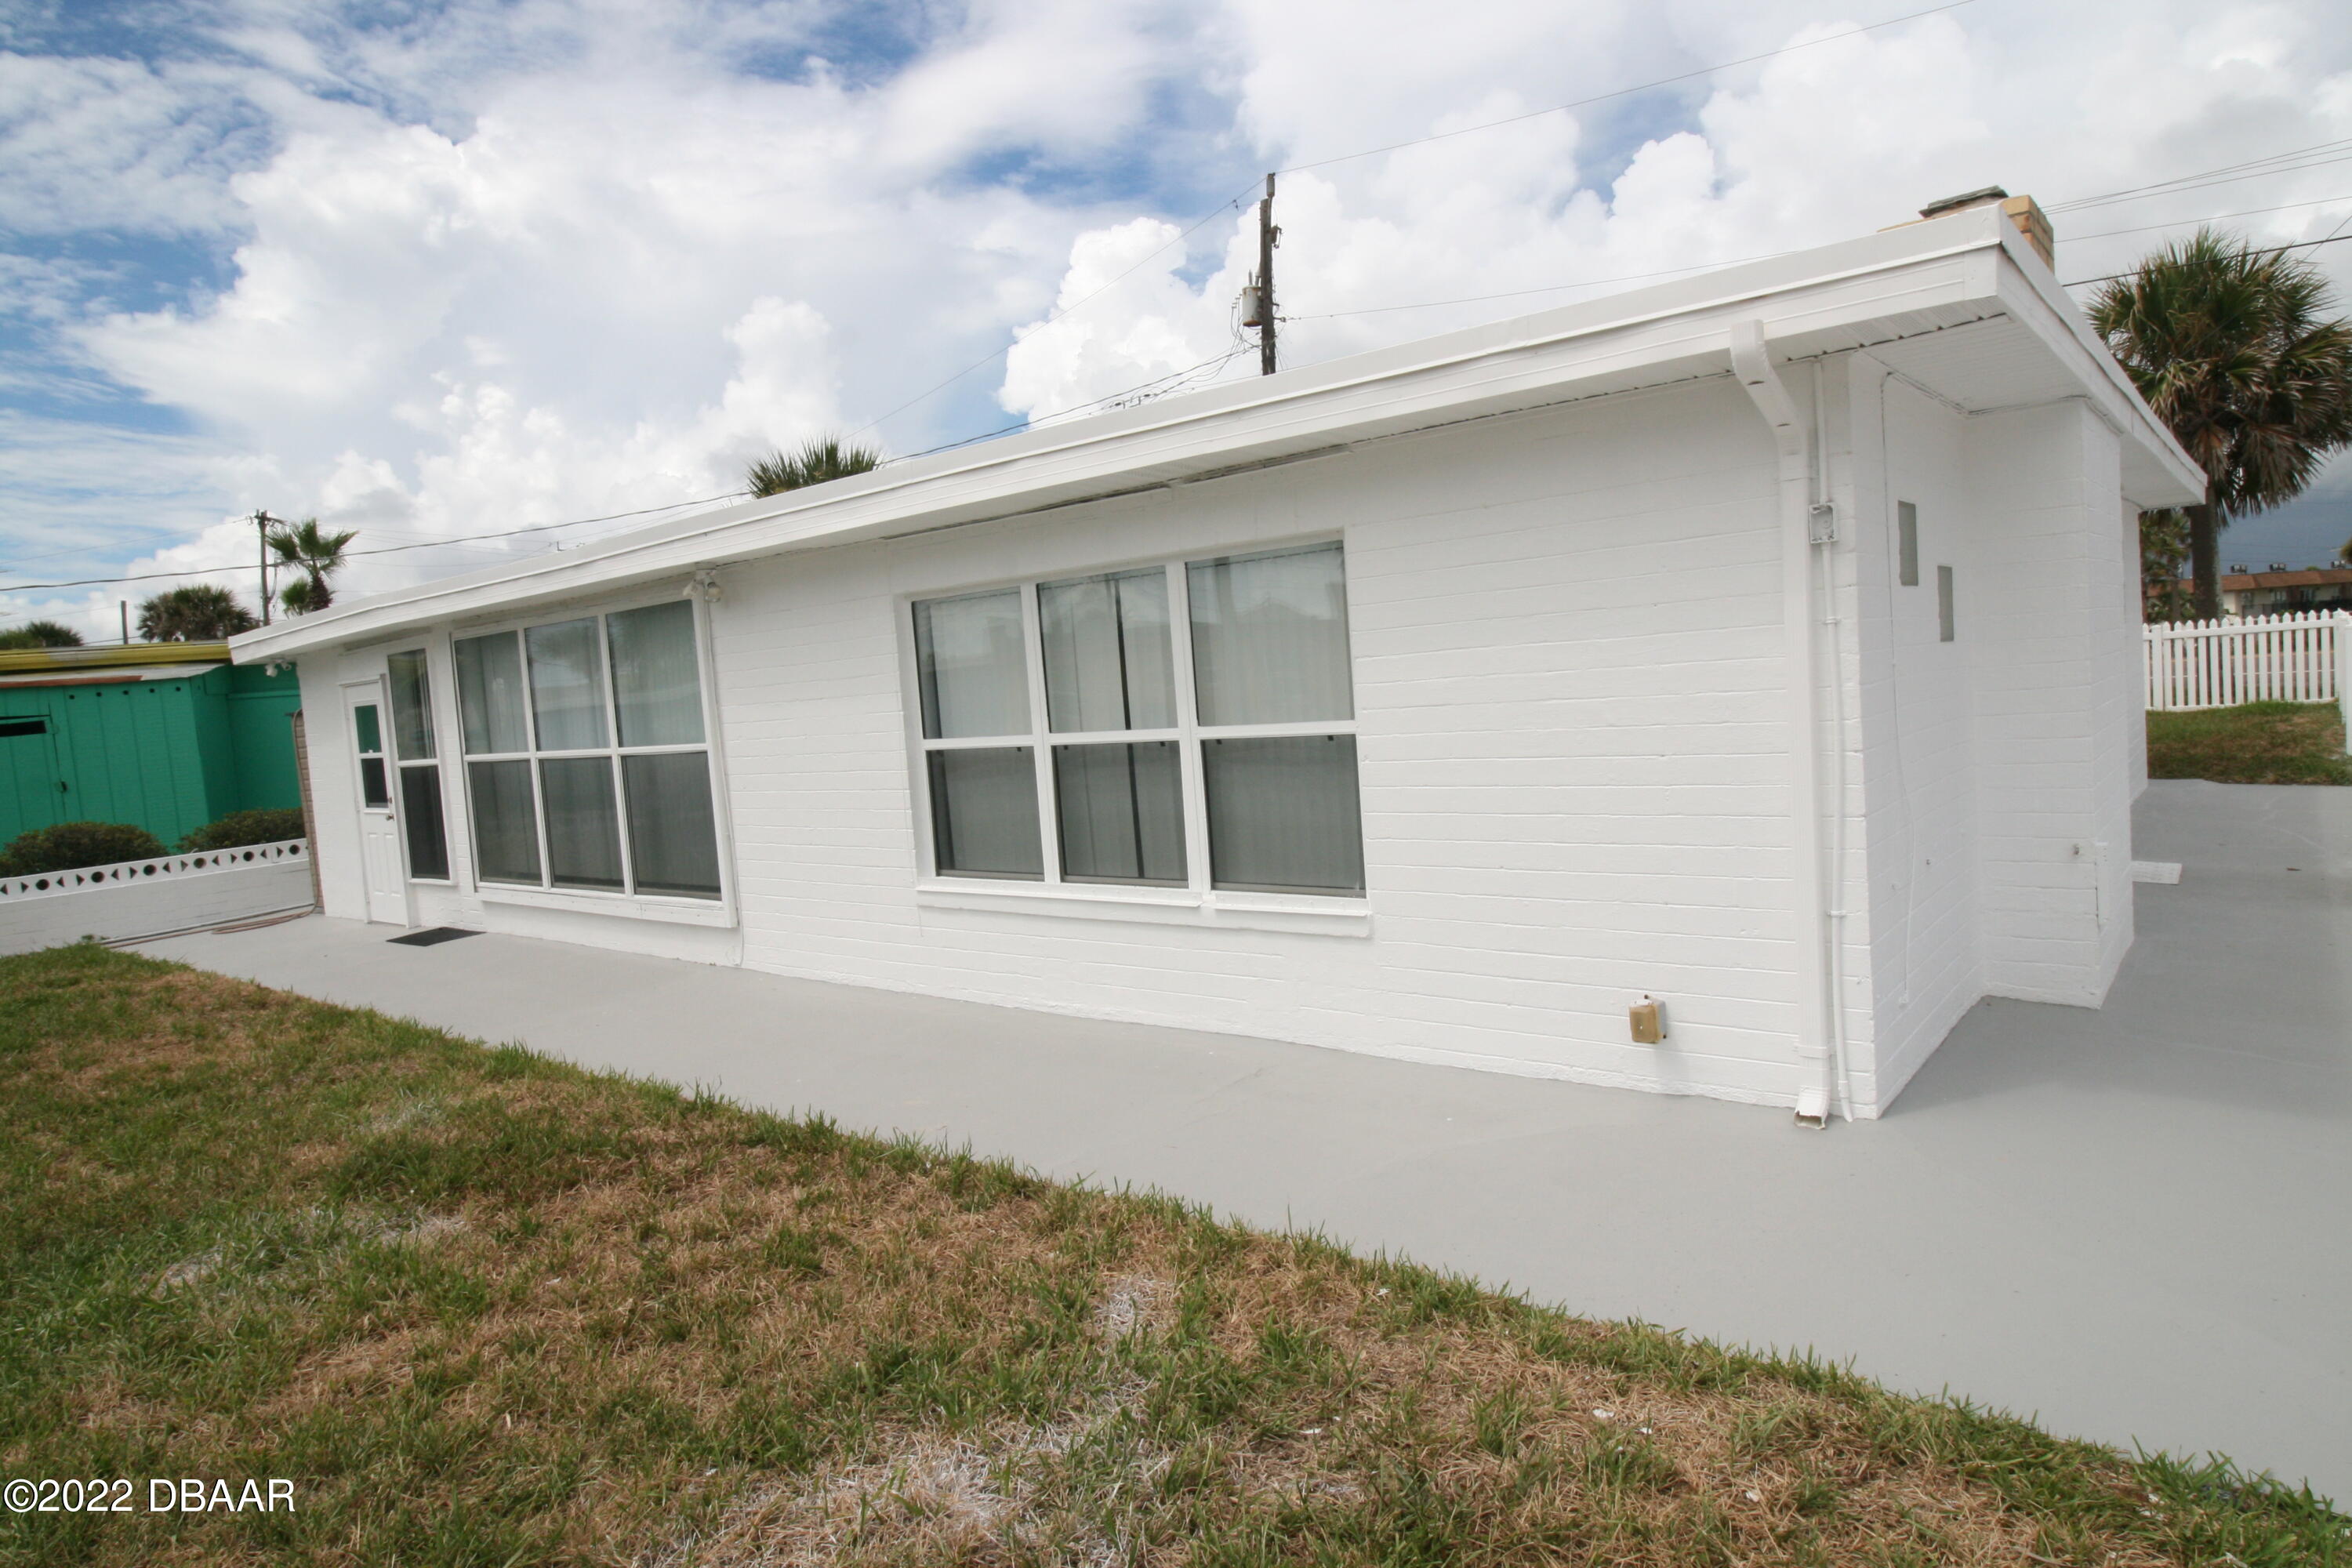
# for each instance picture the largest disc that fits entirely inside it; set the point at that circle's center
(32, 792)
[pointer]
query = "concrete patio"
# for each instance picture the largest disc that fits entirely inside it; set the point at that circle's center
(2131, 1224)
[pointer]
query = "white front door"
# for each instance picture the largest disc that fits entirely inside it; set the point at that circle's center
(387, 889)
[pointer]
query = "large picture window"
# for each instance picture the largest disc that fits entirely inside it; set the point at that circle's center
(586, 764)
(1189, 724)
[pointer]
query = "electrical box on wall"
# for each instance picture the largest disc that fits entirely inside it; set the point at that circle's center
(1649, 1023)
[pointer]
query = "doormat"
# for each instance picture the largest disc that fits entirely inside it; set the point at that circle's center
(427, 938)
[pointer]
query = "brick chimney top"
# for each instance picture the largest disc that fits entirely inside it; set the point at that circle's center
(2022, 211)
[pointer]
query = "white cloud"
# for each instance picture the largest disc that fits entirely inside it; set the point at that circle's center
(1839, 137)
(98, 144)
(508, 264)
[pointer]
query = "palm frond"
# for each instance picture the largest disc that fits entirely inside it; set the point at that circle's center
(819, 459)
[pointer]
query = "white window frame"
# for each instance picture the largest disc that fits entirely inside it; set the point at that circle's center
(1196, 902)
(674, 907)
(391, 724)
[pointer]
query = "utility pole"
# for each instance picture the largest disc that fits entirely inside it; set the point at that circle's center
(1268, 237)
(261, 521)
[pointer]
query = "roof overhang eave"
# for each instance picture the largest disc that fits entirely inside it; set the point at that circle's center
(1922, 278)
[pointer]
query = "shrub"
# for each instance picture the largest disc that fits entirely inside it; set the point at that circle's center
(239, 827)
(70, 846)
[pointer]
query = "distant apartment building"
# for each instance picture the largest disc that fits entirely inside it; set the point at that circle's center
(2279, 589)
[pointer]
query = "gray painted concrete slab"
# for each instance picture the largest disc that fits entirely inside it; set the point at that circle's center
(2129, 1223)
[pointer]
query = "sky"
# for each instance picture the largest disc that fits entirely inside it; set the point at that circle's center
(433, 270)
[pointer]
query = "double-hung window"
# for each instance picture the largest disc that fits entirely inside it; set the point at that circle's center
(420, 770)
(587, 767)
(1185, 725)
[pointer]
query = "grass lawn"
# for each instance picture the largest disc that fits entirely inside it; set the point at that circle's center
(481, 1308)
(2260, 742)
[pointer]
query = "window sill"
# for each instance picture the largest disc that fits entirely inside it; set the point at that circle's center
(624, 906)
(1155, 906)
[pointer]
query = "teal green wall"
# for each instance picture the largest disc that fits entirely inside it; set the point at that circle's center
(261, 736)
(166, 755)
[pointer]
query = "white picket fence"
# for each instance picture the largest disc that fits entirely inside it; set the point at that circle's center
(2304, 657)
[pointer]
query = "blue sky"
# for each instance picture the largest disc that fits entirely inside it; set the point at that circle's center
(430, 270)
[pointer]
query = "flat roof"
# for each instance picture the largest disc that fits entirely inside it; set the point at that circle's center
(1905, 293)
(105, 677)
(109, 656)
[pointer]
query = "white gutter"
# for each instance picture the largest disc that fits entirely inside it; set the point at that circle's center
(1800, 536)
(1319, 405)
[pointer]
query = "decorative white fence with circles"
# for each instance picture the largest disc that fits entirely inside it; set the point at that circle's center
(170, 893)
(2302, 657)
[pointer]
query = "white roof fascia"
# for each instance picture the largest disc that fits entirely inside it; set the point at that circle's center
(2165, 475)
(1639, 338)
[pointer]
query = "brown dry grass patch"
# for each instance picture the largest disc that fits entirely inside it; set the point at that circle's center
(491, 1309)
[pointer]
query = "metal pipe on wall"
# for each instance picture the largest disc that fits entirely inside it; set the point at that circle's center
(1816, 1030)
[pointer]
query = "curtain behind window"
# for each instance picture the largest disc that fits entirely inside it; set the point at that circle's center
(412, 709)
(491, 694)
(567, 685)
(673, 837)
(657, 682)
(505, 826)
(1283, 814)
(1108, 664)
(968, 655)
(1270, 638)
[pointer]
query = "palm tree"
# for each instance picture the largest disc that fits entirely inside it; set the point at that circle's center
(2233, 349)
(2163, 551)
(197, 613)
(38, 634)
(314, 553)
(820, 458)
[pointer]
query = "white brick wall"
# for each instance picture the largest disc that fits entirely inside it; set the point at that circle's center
(1571, 697)
(1920, 753)
(1990, 759)
(2052, 704)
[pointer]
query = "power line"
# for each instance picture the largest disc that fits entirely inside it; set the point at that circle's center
(2266, 251)
(1152, 387)
(1545, 289)
(1158, 387)
(1627, 92)
(1231, 204)
(2182, 187)
(1768, 255)
(2216, 217)
(2249, 166)
(386, 550)
(1234, 203)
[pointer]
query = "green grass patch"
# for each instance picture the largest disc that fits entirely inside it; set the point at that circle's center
(2259, 742)
(480, 1308)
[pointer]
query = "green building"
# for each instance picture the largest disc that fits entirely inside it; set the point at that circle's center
(166, 736)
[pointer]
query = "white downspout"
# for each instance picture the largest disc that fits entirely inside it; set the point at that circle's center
(1753, 365)
(1821, 533)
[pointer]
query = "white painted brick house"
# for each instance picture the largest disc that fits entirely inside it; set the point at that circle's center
(1762, 644)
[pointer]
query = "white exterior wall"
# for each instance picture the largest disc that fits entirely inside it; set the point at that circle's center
(2047, 642)
(1570, 693)
(1573, 733)
(1920, 757)
(2000, 767)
